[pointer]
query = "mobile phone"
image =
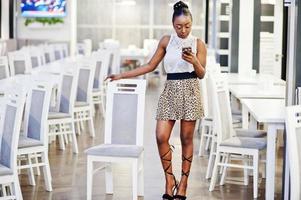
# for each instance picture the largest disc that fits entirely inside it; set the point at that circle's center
(186, 50)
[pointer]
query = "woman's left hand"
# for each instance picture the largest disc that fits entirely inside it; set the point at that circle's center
(189, 57)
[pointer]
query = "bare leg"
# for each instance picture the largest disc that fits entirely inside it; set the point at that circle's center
(187, 130)
(163, 131)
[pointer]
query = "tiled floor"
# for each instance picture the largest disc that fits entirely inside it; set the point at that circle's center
(69, 170)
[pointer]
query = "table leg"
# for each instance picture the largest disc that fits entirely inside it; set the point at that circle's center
(270, 165)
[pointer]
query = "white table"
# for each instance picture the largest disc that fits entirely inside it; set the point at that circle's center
(133, 54)
(239, 79)
(272, 113)
(257, 91)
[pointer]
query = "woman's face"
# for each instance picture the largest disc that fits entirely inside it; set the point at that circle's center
(182, 25)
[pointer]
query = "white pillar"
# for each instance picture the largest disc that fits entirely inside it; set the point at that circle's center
(73, 27)
(5, 20)
(246, 29)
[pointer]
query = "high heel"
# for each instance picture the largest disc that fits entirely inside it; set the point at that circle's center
(177, 196)
(168, 196)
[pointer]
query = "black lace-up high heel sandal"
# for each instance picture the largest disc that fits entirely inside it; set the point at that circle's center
(177, 196)
(169, 196)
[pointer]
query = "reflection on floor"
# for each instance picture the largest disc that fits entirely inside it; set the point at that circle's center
(69, 170)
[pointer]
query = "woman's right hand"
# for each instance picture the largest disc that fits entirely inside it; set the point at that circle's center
(114, 77)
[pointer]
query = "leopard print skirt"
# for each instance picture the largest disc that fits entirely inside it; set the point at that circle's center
(180, 99)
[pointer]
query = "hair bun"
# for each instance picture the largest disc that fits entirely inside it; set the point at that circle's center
(180, 5)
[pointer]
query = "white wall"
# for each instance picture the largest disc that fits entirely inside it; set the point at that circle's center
(59, 32)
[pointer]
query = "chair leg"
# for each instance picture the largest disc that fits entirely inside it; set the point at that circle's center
(103, 105)
(135, 180)
(62, 142)
(37, 169)
(211, 160)
(246, 174)
(69, 137)
(74, 140)
(141, 178)
(30, 171)
(17, 188)
(76, 121)
(109, 179)
(91, 126)
(215, 171)
(222, 182)
(221, 169)
(203, 130)
(66, 139)
(255, 175)
(89, 178)
(46, 171)
(209, 138)
(81, 121)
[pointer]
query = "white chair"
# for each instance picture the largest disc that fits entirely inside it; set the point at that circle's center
(115, 60)
(65, 50)
(80, 49)
(124, 124)
(293, 127)
(34, 139)
(220, 80)
(88, 47)
(228, 143)
(36, 56)
(48, 53)
(4, 70)
(83, 108)
(58, 51)
(206, 123)
(19, 62)
(10, 124)
(101, 58)
(61, 121)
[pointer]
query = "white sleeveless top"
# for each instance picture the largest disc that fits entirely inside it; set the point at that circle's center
(173, 62)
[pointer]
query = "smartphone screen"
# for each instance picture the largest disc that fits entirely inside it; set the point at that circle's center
(186, 50)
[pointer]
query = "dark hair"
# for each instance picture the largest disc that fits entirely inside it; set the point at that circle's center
(180, 8)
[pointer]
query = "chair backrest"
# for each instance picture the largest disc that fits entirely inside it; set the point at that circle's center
(88, 46)
(36, 56)
(67, 93)
(11, 120)
(85, 80)
(80, 49)
(4, 70)
(36, 111)
(293, 133)
(204, 95)
(114, 46)
(124, 122)
(101, 58)
(222, 117)
(48, 53)
(58, 51)
(19, 62)
(65, 50)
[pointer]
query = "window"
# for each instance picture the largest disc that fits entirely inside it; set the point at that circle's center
(131, 23)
